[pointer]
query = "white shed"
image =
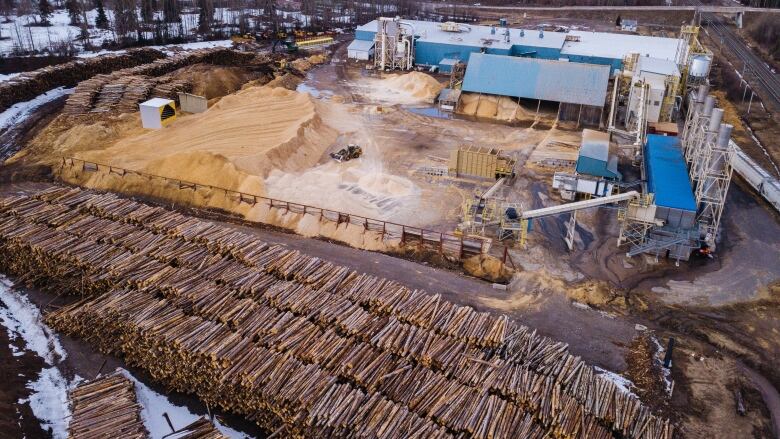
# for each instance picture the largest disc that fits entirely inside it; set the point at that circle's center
(628, 25)
(157, 113)
(361, 50)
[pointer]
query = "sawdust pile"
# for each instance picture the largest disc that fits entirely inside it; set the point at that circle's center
(489, 268)
(494, 107)
(409, 88)
(304, 64)
(287, 80)
(359, 187)
(216, 81)
(304, 224)
(245, 134)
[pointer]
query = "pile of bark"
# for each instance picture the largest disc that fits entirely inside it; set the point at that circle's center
(106, 407)
(124, 89)
(296, 343)
(28, 85)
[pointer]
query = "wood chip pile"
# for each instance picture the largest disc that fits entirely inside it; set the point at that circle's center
(106, 408)
(124, 89)
(200, 429)
(294, 342)
(28, 85)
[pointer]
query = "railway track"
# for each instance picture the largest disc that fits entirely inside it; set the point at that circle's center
(768, 82)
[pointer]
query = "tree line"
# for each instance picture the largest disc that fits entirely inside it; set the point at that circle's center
(131, 23)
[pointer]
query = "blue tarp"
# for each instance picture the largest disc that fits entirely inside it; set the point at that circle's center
(667, 174)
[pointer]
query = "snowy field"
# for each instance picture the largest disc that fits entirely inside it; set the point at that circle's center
(20, 36)
(19, 112)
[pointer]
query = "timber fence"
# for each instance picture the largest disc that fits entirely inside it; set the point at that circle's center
(457, 247)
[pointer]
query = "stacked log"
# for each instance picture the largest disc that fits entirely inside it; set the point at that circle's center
(83, 97)
(368, 333)
(138, 90)
(123, 89)
(172, 88)
(28, 85)
(200, 429)
(110, 95)
(106, 408)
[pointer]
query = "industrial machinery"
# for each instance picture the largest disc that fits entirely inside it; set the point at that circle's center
(352, 151)
(482, 210)
(693, 59)
(481, 162)
(288, 42)
(515, 222)
(393, 44)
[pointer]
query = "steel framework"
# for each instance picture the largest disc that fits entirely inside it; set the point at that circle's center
(394, 45)
(712, 186)
(688, 47)
(636, 218)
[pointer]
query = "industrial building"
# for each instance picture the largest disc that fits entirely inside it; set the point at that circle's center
(674, 208)
(581, 89)
(596, 169)
(572, 69)
(435, 42)
(662, 78)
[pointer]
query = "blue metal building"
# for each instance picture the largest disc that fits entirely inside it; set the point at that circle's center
(532, 78)
(435, 42)
(667, 179)
(594, 158)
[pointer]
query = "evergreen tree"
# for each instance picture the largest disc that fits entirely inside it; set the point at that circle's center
(205, 15)
(125, 19)
(101, 21)
(74, 12)
(147, 10)
(6, 7)
(44, 10)
(171, 11)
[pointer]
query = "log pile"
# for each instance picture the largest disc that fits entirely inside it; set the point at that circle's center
(189, 301)
(200, 429)
(106, 408)
(124, 89)
(172, 88)
(28, 85)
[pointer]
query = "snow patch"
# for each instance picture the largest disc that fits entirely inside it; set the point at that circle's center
(4, 78)
(623, 383)
(49, 401)
(49, 398)
(23, 320)
(193, 46)
(154, 405)
(665, 373)
(17, 113)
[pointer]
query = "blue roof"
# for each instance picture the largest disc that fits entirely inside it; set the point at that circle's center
(534, 78)
(667, 174)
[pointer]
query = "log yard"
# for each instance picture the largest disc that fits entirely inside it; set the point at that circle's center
(340, 220)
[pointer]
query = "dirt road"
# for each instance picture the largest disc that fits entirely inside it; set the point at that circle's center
(768, 392)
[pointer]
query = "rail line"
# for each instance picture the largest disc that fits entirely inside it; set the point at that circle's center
(766, 80)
